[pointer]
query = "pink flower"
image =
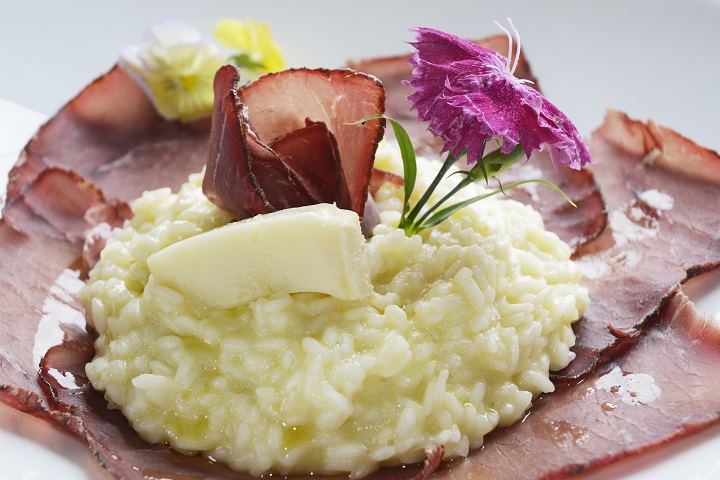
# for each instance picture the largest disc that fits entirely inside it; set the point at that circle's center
(470, 95)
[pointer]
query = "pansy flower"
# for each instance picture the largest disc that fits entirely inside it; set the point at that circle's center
(175, 67)
(470, 95)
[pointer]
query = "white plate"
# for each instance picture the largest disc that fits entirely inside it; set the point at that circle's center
(651, 59)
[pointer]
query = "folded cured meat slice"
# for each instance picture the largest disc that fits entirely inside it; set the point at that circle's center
(281, 102)
(252, 166)
(240, 166)
(659, 187)
(112, 136)
(312, 152)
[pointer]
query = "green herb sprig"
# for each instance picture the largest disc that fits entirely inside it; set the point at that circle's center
(417, 217)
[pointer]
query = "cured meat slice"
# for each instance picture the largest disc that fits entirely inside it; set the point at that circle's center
(112, 136)
(312, 151)
(665, 387)
(576, 226)
(240, 165)
(654, 181)
(279, 103)
(41, 235)
(289, 110)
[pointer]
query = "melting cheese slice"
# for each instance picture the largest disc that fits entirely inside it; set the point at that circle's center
(318, 248)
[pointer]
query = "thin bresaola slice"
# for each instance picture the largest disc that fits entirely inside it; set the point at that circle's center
(240, 166)
(41, 238)
(658, 186)
(279, 103)
(112, 135)
(312, 151)
(247, 176)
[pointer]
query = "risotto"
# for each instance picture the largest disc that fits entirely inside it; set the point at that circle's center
(464, 323)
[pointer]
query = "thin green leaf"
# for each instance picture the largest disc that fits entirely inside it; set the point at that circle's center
(466, 173)
(407, 152)
(449, 161)
(461, 184)
(498, 160)
(554, 187)
(500, 186)
(481, 165)
(443, 214)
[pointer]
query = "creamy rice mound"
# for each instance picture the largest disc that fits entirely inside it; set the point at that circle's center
(464, 325)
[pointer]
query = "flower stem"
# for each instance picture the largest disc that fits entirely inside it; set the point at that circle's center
(446, 212)
(407, 222)
(487, 167)
(461, 184)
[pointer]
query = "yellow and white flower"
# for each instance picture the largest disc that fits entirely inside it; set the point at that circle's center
(257, 52)
(176, 67)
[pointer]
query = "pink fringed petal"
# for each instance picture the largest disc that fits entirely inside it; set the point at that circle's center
(468, 94)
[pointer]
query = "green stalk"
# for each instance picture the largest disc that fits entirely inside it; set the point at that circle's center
(407, 152)
(490, 166)
(461, 184)
(449, 162)
(495, 162)
(446, 212)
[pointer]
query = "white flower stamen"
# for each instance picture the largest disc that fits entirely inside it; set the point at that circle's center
(510, 44)
(510, 60)
(517, 52)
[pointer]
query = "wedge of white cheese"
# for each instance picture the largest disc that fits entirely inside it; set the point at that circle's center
(318, 248)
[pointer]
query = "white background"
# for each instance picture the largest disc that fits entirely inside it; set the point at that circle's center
(654, 59)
